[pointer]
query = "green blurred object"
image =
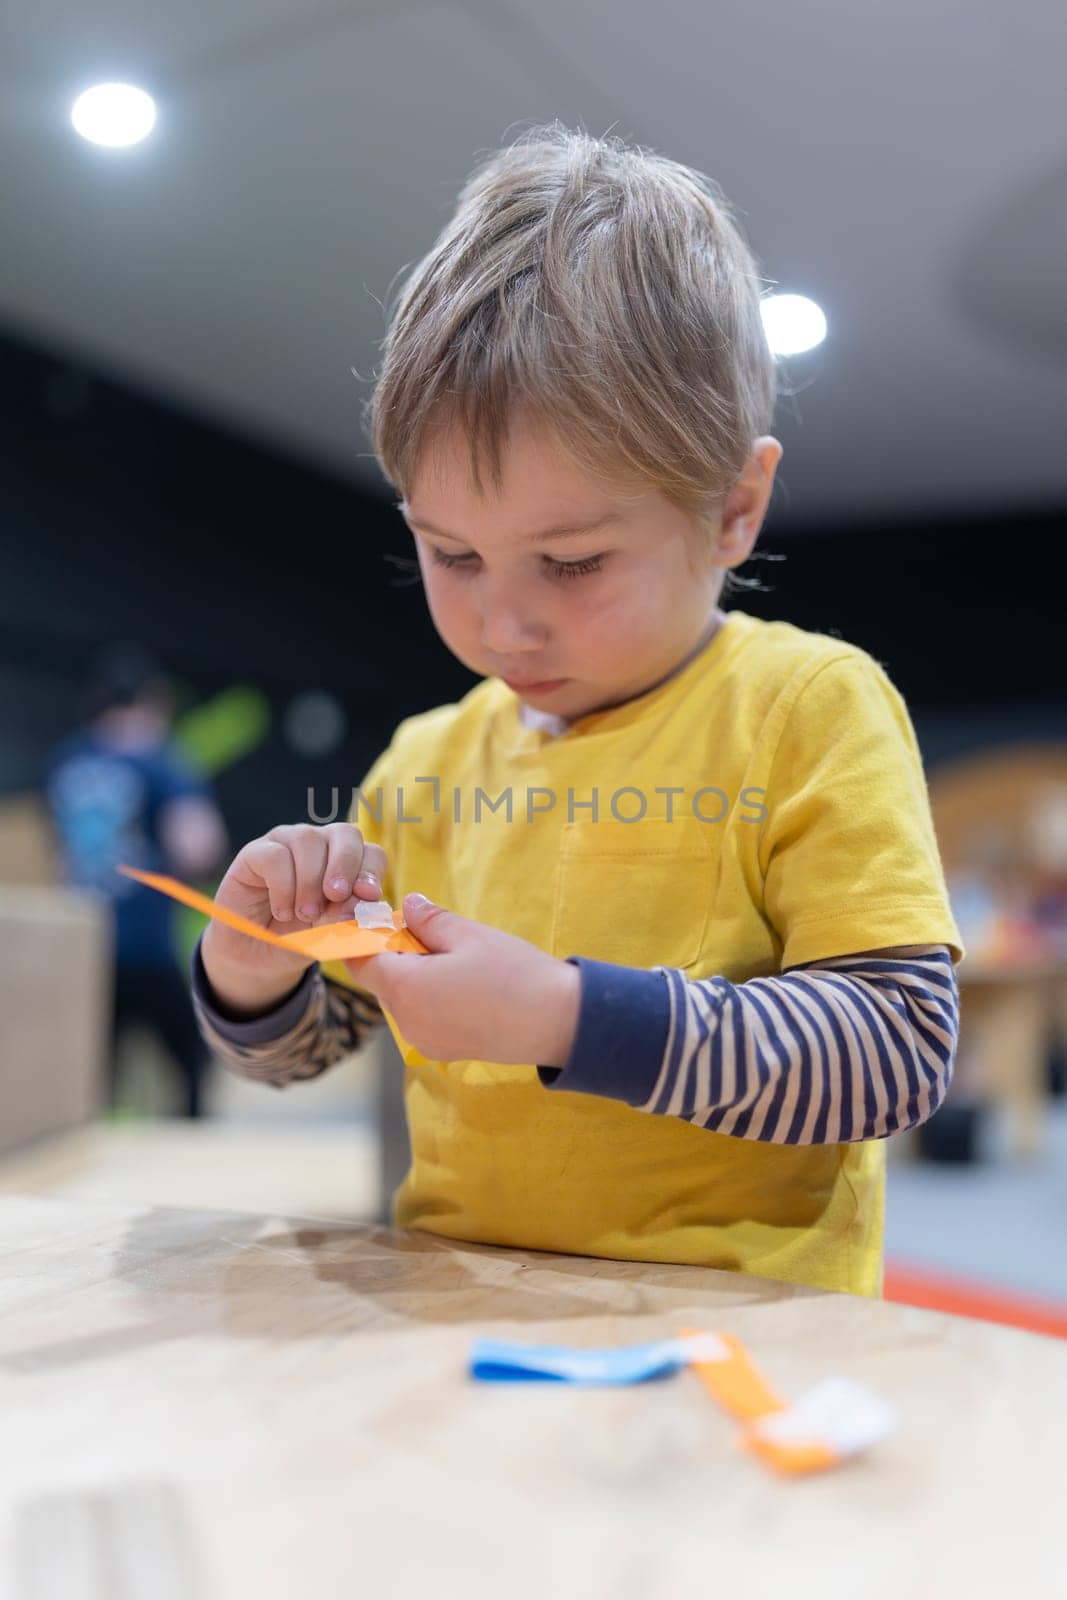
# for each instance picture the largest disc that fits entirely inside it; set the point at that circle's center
(217, 733)
(122, 1114)
(187, 925)
(213, 736)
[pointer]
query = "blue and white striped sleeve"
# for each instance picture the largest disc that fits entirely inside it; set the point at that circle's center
(828, 1052)
(308, 1032)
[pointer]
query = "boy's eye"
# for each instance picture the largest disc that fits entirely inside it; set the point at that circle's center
(558, 569)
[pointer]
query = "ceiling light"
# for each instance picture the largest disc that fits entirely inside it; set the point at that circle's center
(114, 114)
(792, 323)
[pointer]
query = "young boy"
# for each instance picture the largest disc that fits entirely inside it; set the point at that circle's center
(697, 960)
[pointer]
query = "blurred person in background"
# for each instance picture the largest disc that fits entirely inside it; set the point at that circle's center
(119, 790)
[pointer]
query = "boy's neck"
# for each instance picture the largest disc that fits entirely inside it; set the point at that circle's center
(542, 721)
(549, 722)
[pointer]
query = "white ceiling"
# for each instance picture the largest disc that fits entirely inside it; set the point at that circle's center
(905, 164)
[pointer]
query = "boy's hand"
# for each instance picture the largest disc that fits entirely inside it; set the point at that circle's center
(292, 877)
(479, 995)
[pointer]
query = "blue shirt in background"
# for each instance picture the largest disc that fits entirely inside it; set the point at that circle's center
(106, 805)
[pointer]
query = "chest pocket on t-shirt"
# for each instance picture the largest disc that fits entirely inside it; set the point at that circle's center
(637, 893)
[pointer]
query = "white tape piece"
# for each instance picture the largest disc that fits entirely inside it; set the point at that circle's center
(374, 914)
(701, 1347)
(839, 1413)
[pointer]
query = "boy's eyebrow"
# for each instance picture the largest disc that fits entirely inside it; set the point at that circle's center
(567, 530)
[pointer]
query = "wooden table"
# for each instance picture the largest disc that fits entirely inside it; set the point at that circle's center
(215, 1404)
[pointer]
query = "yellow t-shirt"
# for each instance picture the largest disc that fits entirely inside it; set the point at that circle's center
(798, 828)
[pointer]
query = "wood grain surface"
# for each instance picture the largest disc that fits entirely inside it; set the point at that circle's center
(230, 1405)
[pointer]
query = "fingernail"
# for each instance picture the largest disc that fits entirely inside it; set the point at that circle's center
(308, 913)
(338, 885)
(283, 914)
(369, 879)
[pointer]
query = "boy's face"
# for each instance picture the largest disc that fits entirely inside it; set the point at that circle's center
(576, 622)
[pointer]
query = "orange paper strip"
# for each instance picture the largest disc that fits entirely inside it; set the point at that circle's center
(735, 1383)
(741, 1389)
(330, 941)
(794, 1460)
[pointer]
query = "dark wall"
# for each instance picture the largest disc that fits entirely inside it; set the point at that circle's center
(121, 517)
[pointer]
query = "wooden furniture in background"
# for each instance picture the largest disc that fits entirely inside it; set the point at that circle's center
(1002, 813)
(27, 847)
(55, 998)
(326, 1169)
(1006, 1018)
(984, 804)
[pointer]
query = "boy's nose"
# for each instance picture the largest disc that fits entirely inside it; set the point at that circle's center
(508, 634)
(517, 652)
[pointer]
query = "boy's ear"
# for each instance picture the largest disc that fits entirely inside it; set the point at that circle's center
(747, 502)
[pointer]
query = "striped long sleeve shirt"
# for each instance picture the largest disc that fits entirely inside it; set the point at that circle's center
(857, 1047)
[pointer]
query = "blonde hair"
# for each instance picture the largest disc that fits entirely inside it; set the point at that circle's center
(604, 292)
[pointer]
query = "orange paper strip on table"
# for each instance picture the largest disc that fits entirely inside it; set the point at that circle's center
(836, 1419)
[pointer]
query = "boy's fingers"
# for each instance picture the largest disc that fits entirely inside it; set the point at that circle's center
(363, 970)
(377, 970)
(372, 871)
(344, 853)
(340, 910)
(309, 854)
(272, 863)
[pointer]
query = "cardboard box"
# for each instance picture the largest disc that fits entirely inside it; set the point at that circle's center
(55, 1001)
